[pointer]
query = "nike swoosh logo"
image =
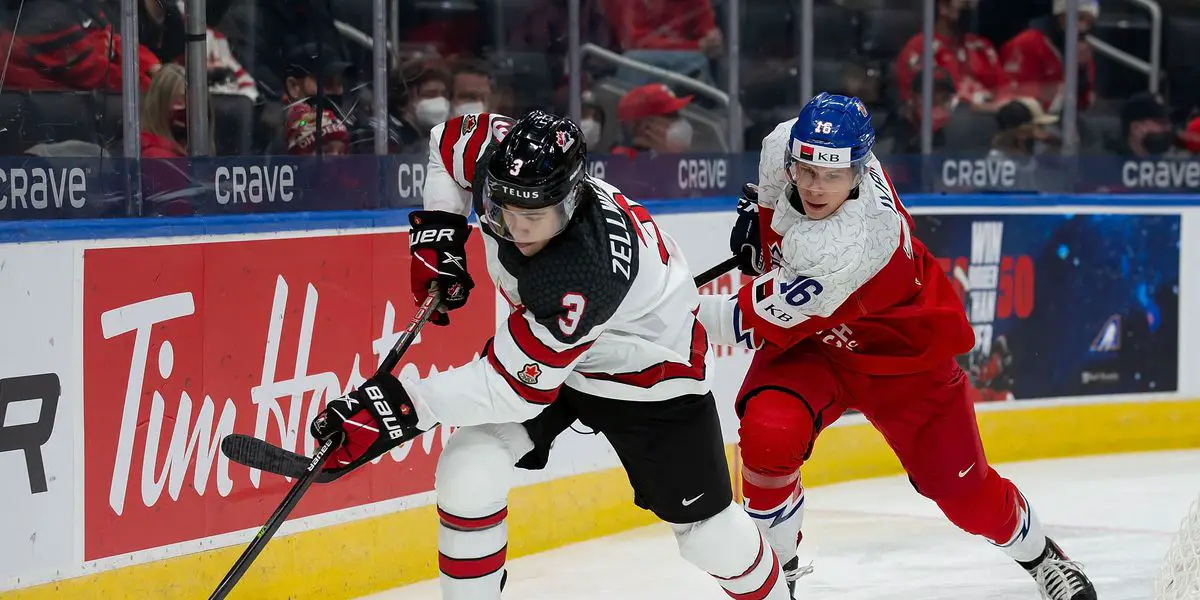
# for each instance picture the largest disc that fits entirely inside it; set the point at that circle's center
(964, 472)
(689, 502)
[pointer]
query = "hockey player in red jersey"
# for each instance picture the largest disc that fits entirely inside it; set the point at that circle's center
(602, 329)
(849, 311)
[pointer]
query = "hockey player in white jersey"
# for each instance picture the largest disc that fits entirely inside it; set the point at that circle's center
(602, 328)
(849, 310)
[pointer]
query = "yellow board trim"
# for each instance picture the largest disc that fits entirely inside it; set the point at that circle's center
(367, 556)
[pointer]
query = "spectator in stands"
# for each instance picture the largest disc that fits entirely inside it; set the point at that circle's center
(1023, 129)
(263, 33)
(1022, 134)
(971, 60)
(591, 122)
(471, 89)
(650, 116)
(67, 45)
(164, 115)
(420, 98)
(1146, 129)
(316, 77)
(302, 127)
(676, 35)
(901, 131)
(1034, 59)
(225, 74)
(314, 70)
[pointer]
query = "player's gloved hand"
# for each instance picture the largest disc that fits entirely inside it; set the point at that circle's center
(745, 240)
(373, 419)
(438, 242)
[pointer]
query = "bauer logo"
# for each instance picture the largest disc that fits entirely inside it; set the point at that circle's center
(188, 343)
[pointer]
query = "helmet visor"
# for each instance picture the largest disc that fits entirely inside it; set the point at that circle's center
(527, 225)
(832, 180)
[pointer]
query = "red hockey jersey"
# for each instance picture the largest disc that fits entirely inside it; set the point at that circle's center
(857, 280)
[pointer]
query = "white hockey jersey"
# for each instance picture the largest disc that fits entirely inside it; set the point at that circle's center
(607, 308)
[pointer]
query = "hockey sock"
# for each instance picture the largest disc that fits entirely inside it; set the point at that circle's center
(776, 503)
(471, 555)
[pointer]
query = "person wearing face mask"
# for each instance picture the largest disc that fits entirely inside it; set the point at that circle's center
(471, 88)
(971, 61)
(651, 117)
(900, 133)
(420, 101)
(1033, 60)
(1146, 129)
(167, 186)
(591, 121)
(164, 115)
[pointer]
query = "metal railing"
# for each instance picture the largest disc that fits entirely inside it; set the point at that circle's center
(1156, 28)
(682, 81)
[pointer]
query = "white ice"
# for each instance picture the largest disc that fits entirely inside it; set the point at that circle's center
(878, 539)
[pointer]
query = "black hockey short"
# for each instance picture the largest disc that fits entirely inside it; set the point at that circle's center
(672, 450)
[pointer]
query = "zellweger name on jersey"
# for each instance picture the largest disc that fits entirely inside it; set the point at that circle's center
(607, 307)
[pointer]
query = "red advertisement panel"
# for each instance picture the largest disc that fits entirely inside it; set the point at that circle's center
(184, 344)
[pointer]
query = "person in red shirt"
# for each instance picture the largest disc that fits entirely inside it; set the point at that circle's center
(1033, 59)
(651, 113)
(61, 45)
(676, 35)
(848, 310)
(971, 60)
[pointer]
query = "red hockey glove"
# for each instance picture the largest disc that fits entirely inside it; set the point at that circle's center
(373, 419)
(745, 240)
(438, 241)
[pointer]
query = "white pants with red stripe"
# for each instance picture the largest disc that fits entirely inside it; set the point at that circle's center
(474, 475)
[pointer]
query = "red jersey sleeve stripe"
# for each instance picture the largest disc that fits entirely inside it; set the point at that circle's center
(472, 568)
(534, 348)
(666, 370)
(451, 131)
(527, 393)
(471, 154)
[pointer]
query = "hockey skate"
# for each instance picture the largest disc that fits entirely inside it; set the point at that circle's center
(793, 571)
(1058, 577)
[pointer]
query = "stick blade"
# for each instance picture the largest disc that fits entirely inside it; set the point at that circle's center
(264, 456)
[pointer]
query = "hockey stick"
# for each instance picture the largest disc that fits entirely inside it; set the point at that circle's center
(264, 456)
(717, 270)
(313, 466)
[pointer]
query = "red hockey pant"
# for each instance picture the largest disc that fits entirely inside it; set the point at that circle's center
(927, 418)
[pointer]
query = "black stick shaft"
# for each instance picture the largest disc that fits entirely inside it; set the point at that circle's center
(717, 270)
(318, 460)
(272, 525)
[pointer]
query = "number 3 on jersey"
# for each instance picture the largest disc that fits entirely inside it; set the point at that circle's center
(574, 303)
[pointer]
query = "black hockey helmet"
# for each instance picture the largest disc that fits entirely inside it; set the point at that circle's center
(535, 172)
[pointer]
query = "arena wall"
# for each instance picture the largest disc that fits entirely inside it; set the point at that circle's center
(135, 344)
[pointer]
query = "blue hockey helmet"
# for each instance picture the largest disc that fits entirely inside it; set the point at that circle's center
(833, 132)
